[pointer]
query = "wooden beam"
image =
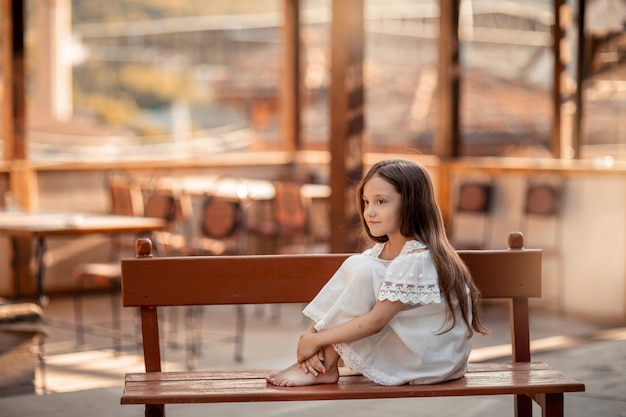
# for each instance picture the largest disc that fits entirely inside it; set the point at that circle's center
(447, 141)
(52, 76)
(580, 63)
(14, 80)
(557, 36)
(291, 85)
(447, 138)
(22, 179)
(347, 121)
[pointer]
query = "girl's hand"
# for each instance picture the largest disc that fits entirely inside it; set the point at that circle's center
(307, 347)
(315, 364)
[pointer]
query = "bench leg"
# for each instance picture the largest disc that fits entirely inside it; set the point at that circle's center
(552, 405)
(155, 410)
(523, 406)
(193, 329)
(116, 315)
(239, 331)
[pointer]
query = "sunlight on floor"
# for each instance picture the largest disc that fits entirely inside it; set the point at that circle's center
(79, 371)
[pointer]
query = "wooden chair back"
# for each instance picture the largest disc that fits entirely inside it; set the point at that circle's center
(290, 212)
(221, 218)
(162, 206)
(475, 197)
(543, 199)
(126, 196)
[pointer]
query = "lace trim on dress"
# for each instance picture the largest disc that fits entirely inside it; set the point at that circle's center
(409, 293)
(315, 315)
(349, 356)
(375, 250)
(409, 246)
(412, 245)
(355, 362)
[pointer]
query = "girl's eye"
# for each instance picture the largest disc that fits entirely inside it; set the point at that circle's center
(381, 201)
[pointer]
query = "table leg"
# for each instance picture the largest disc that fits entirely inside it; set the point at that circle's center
(40, 250)
(15, 265)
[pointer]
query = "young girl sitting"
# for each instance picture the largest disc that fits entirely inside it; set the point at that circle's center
(404, 310)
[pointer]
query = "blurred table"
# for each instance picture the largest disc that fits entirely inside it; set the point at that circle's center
(229, 187)
(256, 195)
(233, 187)
(41, 225)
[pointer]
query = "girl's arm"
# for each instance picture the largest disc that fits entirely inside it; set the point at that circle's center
(357, 328)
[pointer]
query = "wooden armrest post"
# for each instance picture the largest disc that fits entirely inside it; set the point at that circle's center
(520, 332)
(520, 341)
(150, 333)
(520, 329)
(518, 313)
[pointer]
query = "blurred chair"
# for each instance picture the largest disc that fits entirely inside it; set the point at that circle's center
(287, 230)
(125, 199)
(175, 209)
(222, 231)
(474, 202)
(103, 276)
(125, 194)
(290, 229)
(541, 217)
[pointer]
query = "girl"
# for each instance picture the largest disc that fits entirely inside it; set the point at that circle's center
(402, 311)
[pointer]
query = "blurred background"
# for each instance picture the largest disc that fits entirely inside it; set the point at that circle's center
(160, 73)
(157, 90)
(276, 107)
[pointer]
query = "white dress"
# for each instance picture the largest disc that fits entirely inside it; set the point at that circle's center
(411, 348)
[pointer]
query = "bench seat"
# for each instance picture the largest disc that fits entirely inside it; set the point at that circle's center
(250, 386)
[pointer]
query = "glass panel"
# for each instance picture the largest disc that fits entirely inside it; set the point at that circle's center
(603, 124)
(186, 78)
(190, 78)
(315, 37)
(400, 74)
(507, 62)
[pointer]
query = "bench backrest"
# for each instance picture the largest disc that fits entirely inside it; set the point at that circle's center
(148, 282)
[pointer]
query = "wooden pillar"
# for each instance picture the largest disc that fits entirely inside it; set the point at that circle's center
(291, 85)
(447, 137)
(22, 178)
(444, 194)
(447, 141)
(580, 62)
(14, 80)
(347, 121)
(52, 72)
(557, 37)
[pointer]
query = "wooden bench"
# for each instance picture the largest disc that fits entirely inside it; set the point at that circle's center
(149, 282)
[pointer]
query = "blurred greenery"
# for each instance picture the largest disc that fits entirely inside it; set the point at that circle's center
(90, 11)
(117, 89)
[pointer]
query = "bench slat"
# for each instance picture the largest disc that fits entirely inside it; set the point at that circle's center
(247, 386)
(268, 279)
(222, 280)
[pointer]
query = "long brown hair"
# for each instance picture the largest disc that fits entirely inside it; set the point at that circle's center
(421, 219)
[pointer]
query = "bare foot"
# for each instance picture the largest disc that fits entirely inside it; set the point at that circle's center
(294, 376)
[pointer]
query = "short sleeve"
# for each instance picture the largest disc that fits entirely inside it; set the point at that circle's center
(411, 279)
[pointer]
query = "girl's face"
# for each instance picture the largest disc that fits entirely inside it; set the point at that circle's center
(381, 207)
